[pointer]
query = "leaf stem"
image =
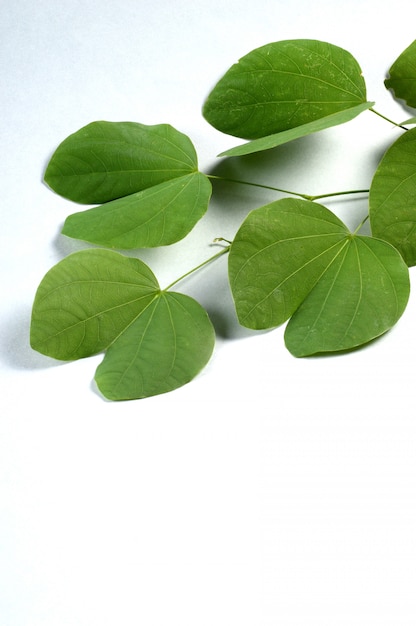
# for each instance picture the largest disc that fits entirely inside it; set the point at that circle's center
(246, 182)
(388, 119)
(292, 193)
(213, 258)
(361, 224)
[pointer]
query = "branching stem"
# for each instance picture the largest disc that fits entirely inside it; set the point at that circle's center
(292, 193)
(195, 269)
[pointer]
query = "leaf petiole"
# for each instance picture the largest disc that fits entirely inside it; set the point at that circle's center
(387, 119)
(304, 196)
(195, 269)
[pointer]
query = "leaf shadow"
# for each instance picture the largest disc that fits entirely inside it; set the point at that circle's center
(16, 350)
(266, 167)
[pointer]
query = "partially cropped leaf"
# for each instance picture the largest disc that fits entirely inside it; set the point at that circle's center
(296, 258)
(107, 160)
(402, 76)
(272, 141)
(284, 85)
(97, 300)
(393, 196)
(153, 217)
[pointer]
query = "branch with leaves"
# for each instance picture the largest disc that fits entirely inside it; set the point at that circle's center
(290, 261)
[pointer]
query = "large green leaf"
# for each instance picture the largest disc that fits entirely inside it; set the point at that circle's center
(107, 160)
(153, 217)
(402, 76)
(296, 258)
(97, 300)
(284, 85)
(272, 141)
(393, 197)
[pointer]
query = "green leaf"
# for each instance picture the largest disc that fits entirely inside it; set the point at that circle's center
(284, 85)
(402, 76)
(296, 258)
(97, 300)
(163, 349)
(86, 300)
(153, 217)
(272, 141)
(107, 160)
(393, 197)
(361, 295)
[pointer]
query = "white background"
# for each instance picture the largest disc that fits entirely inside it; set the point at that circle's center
(270, 490)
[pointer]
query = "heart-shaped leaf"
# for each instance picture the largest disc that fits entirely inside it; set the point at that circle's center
(402, 76)
(97, 300)
(153, 217)
(393, 197)
(284, 85)
(147, 176)
(296, 258)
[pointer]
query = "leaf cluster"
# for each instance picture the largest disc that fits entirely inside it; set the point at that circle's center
(292, 260)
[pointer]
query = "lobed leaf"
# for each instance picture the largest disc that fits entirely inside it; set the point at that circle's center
(402, 76)
(153, 217)
(295, 259)
(284, 85)
(393, 197)
(97, 300)
(107, 160)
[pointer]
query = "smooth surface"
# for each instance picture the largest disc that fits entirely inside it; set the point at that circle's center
(270, 490)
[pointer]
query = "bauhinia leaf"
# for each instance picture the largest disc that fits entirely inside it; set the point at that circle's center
(393, 197)
(285, 85)
(402, 76)
(361, 295)
(147, 176)
(153, 217)
(107, 160)
(296, 258)
(164, 348)
(97, 300)
(278, 139)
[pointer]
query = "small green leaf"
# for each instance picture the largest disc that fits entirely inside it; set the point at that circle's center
(402, 76)
(107, 160)
(163, 349)
(153, 217)
(393, 197)
(272, 141)
(97, 300)
(284, 85)
(296, 258)
(361, 296)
